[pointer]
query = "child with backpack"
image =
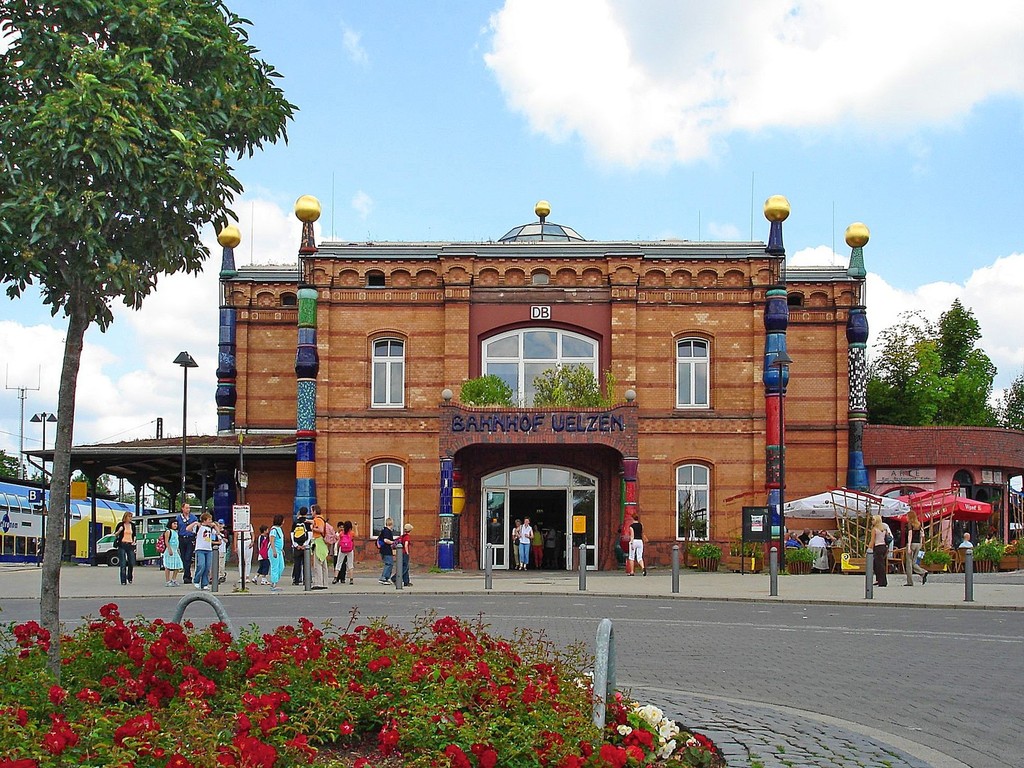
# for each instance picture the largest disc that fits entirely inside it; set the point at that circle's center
(346, 561)
(263, 548)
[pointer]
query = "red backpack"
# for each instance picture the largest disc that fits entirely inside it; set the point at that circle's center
(345, 543)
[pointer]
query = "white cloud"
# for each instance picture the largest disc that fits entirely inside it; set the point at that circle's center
(662, 81)
(819, 256)
(127, 377)
(362, 204)
(724, 232)
(352, 42)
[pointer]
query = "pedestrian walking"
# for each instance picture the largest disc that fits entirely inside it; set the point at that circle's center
(263, 553)
(879, 539)
(636, 544)
(406, 537)
(245, 545)
(300, 542)
(515, 542)
(385, 542)
(124, 538)
(187, 538)
(346, 562)
(525, 543)
(172, 553)
(276, 553)
(915, 540)
(205, 531)
(318, 549)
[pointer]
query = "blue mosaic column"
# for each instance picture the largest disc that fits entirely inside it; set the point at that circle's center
(445, 540)
(227, 373)
(307, 365)
(857, 236)
(775, 378)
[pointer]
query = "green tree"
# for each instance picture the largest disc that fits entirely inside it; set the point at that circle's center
(931, 374)
(9, 466)
(571, 386)
(117, 122)
(1011, 405)
(486, 390)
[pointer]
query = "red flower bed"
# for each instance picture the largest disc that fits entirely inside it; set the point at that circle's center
(138, 693)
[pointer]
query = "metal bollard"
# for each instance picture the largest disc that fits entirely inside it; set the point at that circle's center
(398, 565)
(869, 569)
(969, 576)
(215, 571)
(675, 569)
(773, 572)
(488, 565)
(307, 569)
(604, 670)
(583, 567)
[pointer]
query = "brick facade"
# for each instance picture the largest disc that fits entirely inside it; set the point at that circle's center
(634, 299)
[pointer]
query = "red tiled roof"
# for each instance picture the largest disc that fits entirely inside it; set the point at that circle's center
(886, 445)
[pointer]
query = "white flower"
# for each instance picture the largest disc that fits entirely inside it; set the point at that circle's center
(668, 729)
(650, 713)
(692, 742)
(667, 750)
(624, 730)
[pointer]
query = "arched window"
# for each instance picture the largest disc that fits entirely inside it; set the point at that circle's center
(289, 299)
(375, 279)
(388, 373)
(387, 496)
(518, 357)
(693, 500)
(692, 367)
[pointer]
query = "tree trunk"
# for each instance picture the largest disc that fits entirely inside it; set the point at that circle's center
(60, 481)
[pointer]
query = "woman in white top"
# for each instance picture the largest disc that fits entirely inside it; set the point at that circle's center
(525, 541)
(877, 534)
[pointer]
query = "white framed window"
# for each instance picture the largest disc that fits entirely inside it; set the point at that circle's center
(388, 373)
(518, 357)
(692, 366)
(693, 495)
(387, 495)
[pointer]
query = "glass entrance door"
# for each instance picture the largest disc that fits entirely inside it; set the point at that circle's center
(495, 529)
(583, 514)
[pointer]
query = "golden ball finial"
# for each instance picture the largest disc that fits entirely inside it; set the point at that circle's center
(542, 209)
(776, 208)
(307, 209)
(230, 236)
(857, 235)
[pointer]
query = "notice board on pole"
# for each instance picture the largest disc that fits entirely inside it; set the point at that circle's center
(240, 517)
(756, 524)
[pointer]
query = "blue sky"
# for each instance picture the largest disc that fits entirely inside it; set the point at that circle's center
(645, 119)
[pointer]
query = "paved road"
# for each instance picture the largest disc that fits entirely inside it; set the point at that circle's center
(836, 685)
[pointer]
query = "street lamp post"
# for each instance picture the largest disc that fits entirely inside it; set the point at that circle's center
(184, 359)
(782, 362)
(44, 418)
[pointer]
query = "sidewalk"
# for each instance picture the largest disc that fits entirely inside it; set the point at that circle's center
(994, 591)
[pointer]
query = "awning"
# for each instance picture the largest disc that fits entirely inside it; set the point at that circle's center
(931, 505)
(844, 502)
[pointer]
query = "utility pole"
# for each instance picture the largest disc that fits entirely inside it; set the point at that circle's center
(21, 421)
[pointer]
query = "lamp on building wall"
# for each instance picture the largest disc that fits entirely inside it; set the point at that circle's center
(184, 359)
(782, 362)
(44, 418)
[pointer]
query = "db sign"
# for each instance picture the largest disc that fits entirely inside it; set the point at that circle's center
(540, 313)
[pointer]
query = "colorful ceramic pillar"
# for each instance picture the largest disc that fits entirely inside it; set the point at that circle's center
(307, 365)
(857, 236)
(775, 377)
(227, 373)
(445, 540)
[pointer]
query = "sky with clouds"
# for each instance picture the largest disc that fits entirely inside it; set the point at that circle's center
(637, 119)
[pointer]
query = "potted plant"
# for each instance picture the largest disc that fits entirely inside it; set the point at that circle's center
(743, 556)
(936, 560)
(987, 555)
(799, 560)
(1013, 556)
(707, 556)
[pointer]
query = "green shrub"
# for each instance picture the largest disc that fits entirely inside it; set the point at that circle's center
(990, 551)
(486, 390)
(706, 551)
(799, 555)
(936, 557)
(573, 386)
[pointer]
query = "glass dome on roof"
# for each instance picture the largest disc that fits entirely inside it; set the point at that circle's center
(541, 230)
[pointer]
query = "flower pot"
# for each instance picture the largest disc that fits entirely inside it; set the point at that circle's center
(983, 566)
(934, 567)
(708, 563)
(748, 564)
(1011, 563)
(797, 568)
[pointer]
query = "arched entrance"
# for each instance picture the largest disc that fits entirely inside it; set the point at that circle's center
(551, 496)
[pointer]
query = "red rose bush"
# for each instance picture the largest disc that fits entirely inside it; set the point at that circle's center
(153, 694)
